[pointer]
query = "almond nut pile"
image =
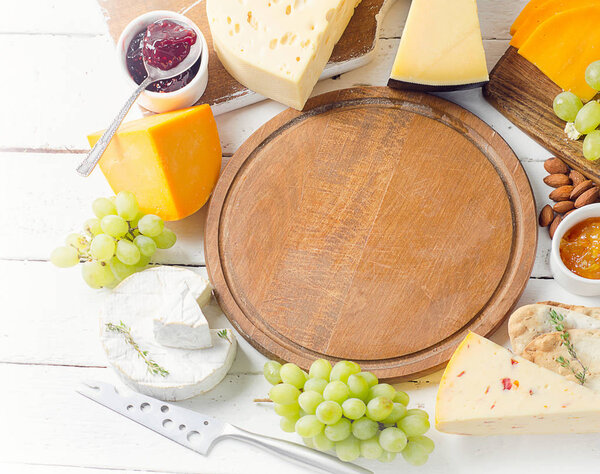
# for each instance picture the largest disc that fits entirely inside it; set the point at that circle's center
(572, 190)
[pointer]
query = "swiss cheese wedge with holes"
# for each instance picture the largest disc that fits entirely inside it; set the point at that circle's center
(487, 390)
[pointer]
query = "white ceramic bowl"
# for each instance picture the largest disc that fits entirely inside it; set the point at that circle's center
(165, 101)
(565, 277)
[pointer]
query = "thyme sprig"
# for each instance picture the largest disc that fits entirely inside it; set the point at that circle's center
(122, 328)
(223, 334)
(557, 321)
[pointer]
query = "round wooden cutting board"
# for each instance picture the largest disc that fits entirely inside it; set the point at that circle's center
(376, 225)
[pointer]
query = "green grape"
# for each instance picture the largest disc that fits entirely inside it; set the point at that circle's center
(566, 105)
(338, 431)
(379, 408)
(78, 242)
(588, 118)
(392, 440)
(127, 205)
(370, 448)
(97, 274)
(387, 457)
(354, 408)
(103, 207)
(288, 424)
(348, 449)
(144, 261)
(64, 257)
(322, 442)
(146, 245)
(151, 226)
(398, 412)
(134, 222)
(127, 252)
(382, 390)
(414, 454)
(342, 370)
(336, 391)
(359, 387)
(369, 377)
(166, 239)
(102, 247)
(363, 428)
(309, 426)
(309, 442)
(592, 75)
(288, 411)
(120, 270)
(591, 145)
(292, 374)
(284, 394)
(419, 412)
(315, 385)
(320, 369)
(92, 226)
(424, 442)
(309, 401)
(414, 425)
(271, 371)
(329, 412)
(115, 226)
(401, 397)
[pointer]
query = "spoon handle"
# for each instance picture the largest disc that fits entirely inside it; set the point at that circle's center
(86, 167)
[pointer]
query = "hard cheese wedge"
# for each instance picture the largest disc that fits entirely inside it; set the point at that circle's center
(564, 45)
(170, 161)
(278, 48)
(541, 14)
(441, 48)
(486, 390)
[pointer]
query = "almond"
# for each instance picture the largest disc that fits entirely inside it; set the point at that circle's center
(561, 194)
(564, 206)
(588, 197)
(546, 216)
(554, 225)
(555, 166)
(576, 177)
(557, 180)
(580, 189)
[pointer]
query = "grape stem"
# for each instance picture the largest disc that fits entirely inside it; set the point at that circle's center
(263, 400)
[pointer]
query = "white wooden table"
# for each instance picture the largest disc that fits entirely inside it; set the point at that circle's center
(70, 85)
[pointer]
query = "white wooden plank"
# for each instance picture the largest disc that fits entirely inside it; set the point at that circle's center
(20, 468)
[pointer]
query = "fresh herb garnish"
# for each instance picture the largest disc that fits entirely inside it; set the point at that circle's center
(557, 321)
(224, 335)
(122, 328)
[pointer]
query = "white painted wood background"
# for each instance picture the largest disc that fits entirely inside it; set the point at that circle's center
(69, 85)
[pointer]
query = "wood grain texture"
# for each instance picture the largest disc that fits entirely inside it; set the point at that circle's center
(360, 229)
(359, 40)
(522, 93)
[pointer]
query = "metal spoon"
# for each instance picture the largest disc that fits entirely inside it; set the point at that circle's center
(154, 74)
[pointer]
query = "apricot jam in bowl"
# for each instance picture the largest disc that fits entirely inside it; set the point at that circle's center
(575, 257)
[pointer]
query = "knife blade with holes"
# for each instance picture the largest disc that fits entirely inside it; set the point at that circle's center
(199, 432)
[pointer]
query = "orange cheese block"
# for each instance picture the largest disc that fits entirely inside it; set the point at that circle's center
(529, 9)
(564, 45)
(170, 161)
(541, 14)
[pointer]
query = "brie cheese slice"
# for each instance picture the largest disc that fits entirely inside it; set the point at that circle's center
(181, 322)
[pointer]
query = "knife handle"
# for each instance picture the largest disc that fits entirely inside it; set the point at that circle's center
(300, 454)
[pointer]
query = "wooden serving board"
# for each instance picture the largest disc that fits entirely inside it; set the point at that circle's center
(355, 48)
(522, 93)
(376, 225)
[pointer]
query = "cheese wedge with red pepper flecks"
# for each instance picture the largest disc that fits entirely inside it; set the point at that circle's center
(487, 390)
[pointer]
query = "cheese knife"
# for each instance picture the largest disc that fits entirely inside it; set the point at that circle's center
(199, 432)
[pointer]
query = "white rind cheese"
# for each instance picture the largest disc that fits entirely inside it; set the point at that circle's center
(487, 390)
(181, 323)
(278, 48)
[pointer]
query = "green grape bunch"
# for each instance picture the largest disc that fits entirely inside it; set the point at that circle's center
(116, 243)
(346, 410)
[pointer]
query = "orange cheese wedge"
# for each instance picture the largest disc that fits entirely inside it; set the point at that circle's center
(564, 45)
(529, 9)
(541, 14)
(170, 161)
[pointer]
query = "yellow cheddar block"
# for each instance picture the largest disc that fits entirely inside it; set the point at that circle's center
(170, 161)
